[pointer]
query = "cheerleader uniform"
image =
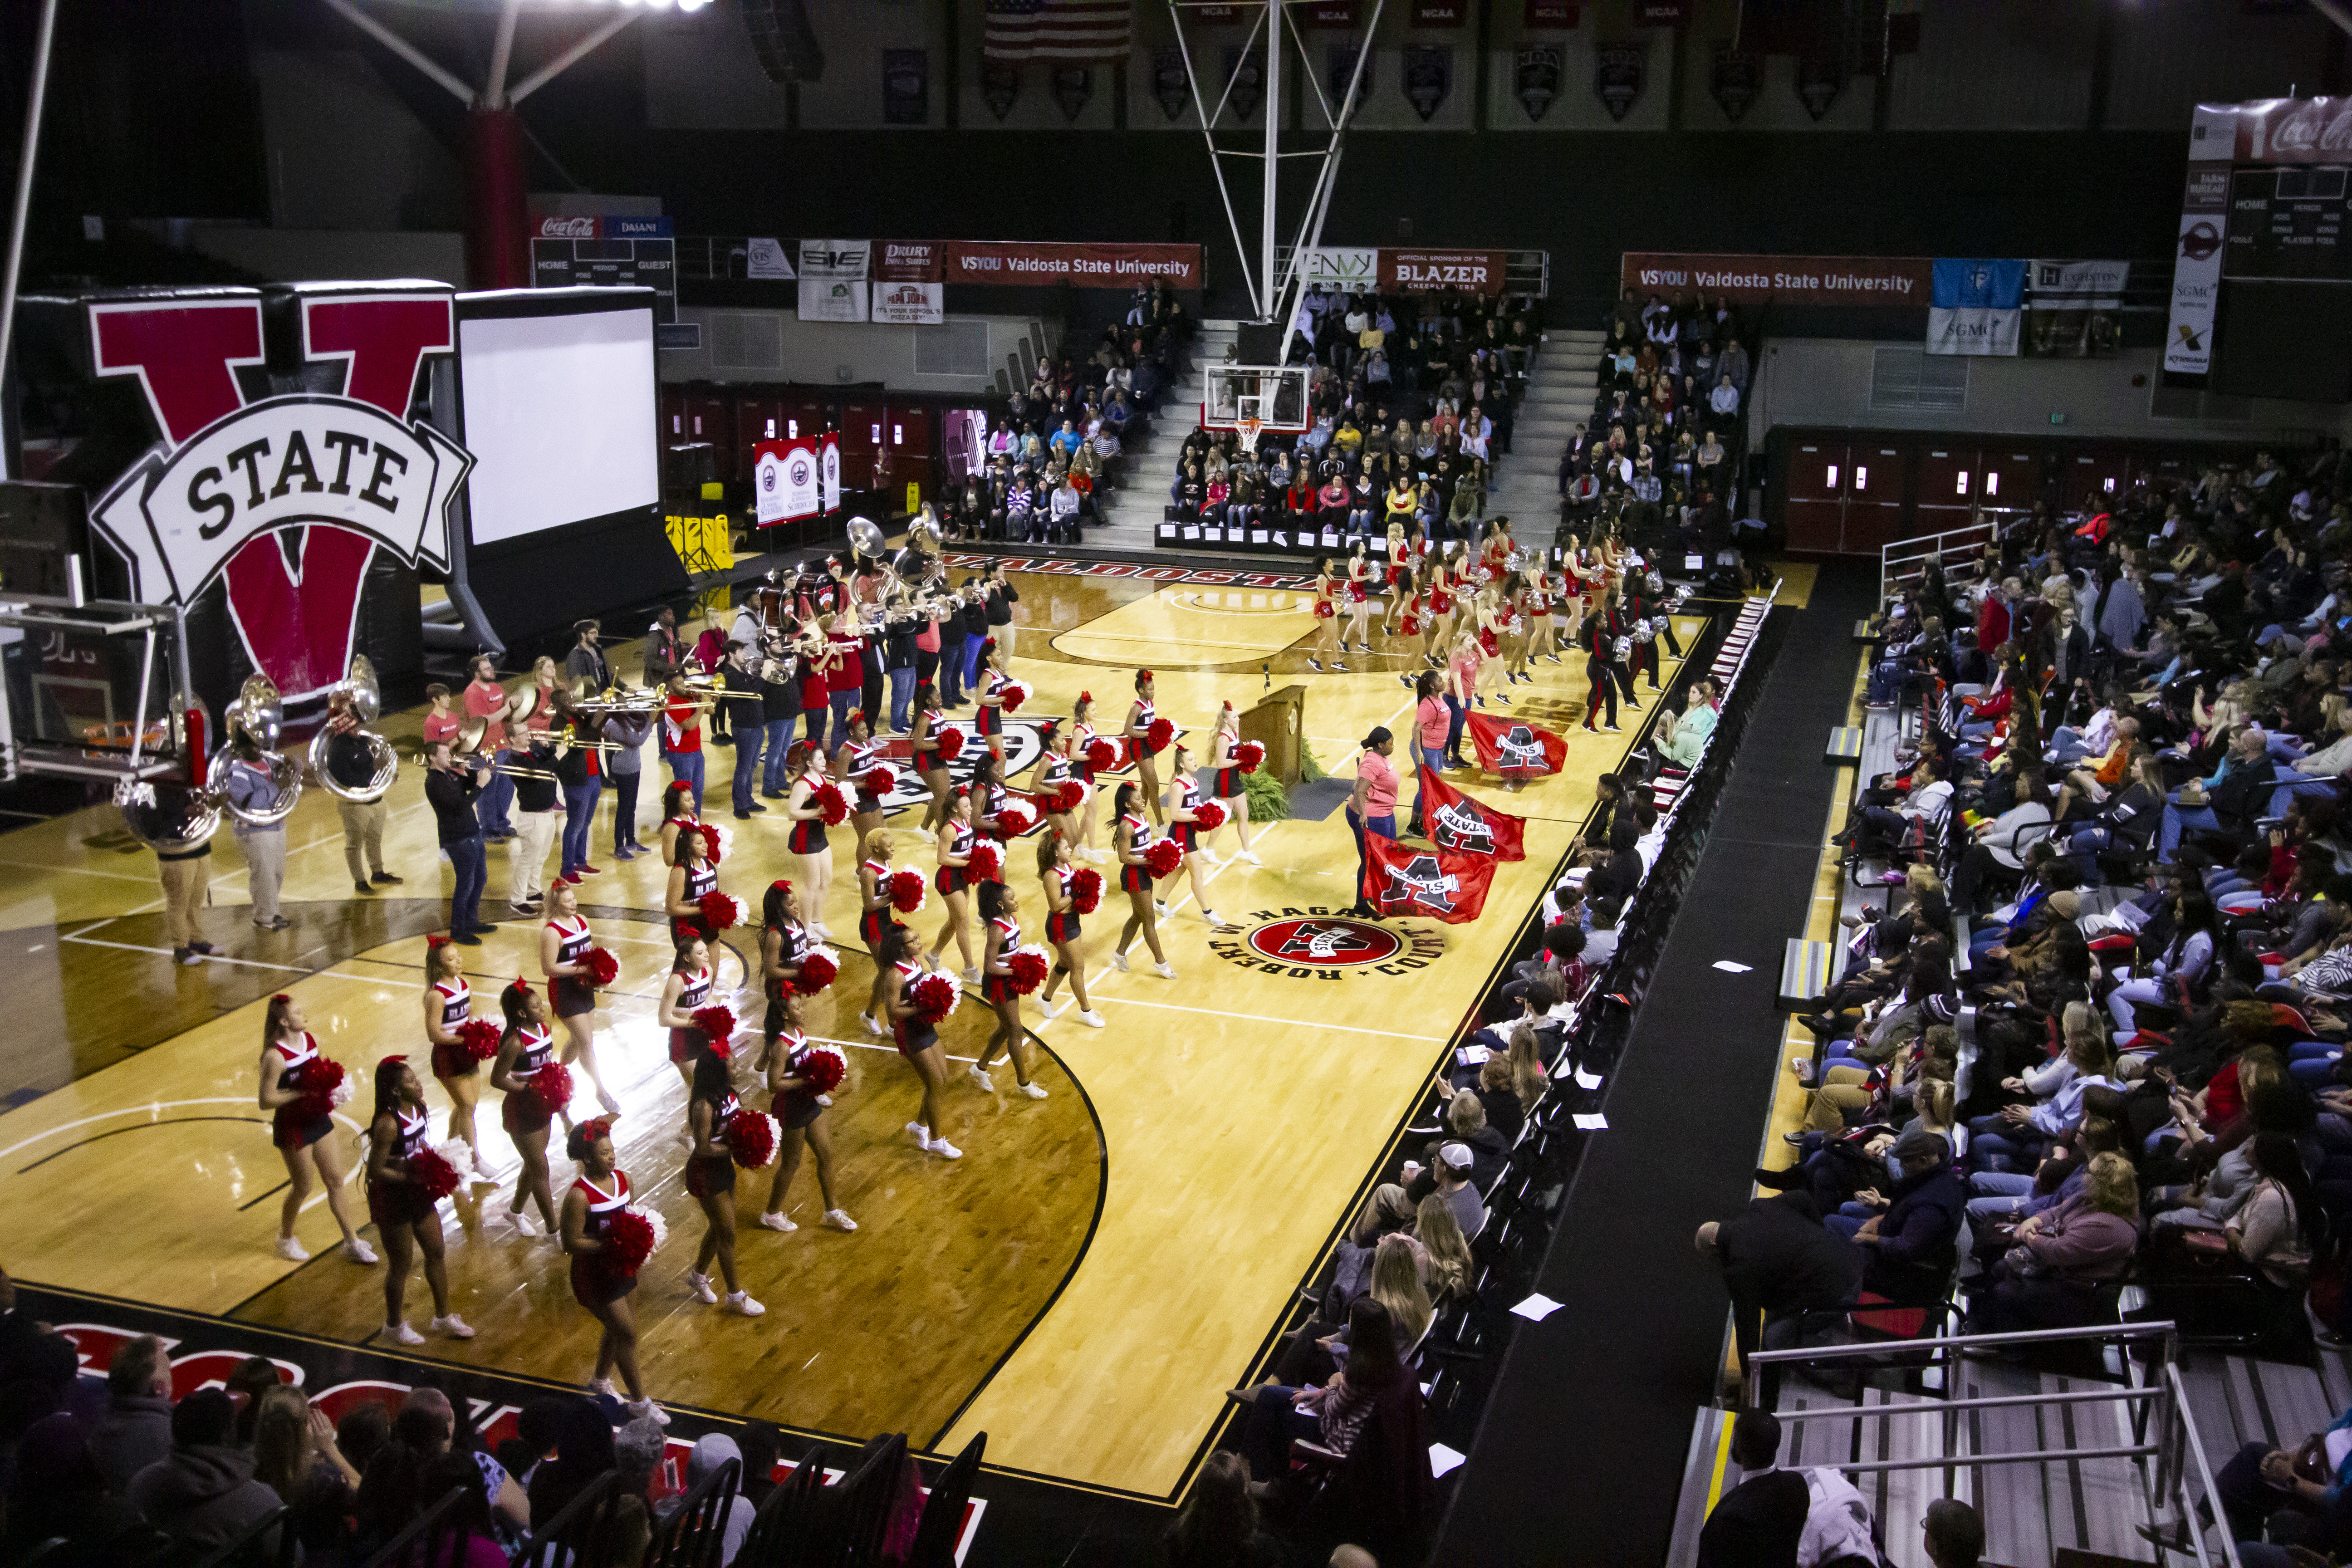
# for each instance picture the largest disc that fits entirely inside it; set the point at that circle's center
(795, 1108)
(795, 942)
(295, 1125)
(956, 878)
(526, 1111)
(929, 761)
(1227, 783)
(713, 1176)
(453, 1060)
(702, 880)
(1136, 879)
(1145, 716)
(1083, 770)
(1187, 834)
(807, 836)
(1441, 603)
(914, 1032)
(1059, 770)
(693, 995)
(391, 1203)
(999, 987)
(572, 996)
(1323, 611)
(864, 760)
(999, 797)
(992, 716)
(1356, 594)
(872, 923)
(1409, 623)
(1062, 925)
(594, 1282)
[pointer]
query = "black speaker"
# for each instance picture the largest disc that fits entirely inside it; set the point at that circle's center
(783, 38)
(40, 525)
(1258, 342)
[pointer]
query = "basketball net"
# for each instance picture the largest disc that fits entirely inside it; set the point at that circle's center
(1249, 429)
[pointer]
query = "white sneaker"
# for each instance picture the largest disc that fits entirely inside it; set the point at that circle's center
(1119, 962)
(1165, 971)
(979, 1076)
(1091, 1019)
(523, 1222)
(359, 1251)
(1045, 1005)
(741, 1301)
(699, 1284)
(776, 1222)
(824, 932)
(605, 1097)
(972, 975)
(1159, 908)
(1212, 916)
(946, 1149)
(456, 1327)
(1035, 1091)
(400, 1334)
(922, 1134)
(824, 1100)
(641, 1409)
(871, 1026)
(838, 1220)
(1249, 857)
(292, 1249)
(603, 1386)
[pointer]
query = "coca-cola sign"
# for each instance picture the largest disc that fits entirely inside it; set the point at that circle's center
(2287, 130)
(567, 228)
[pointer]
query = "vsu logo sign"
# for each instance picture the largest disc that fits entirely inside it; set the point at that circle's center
(346, 473)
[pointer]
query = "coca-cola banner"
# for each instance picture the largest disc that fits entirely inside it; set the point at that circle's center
(1083, 266)
(907, 286)
(1441, 272)
(1876, 280)
(2284, 130)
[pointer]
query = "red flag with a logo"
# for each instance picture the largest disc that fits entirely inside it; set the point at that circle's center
(1513, 747)
(1465, 824)
(1433, 883)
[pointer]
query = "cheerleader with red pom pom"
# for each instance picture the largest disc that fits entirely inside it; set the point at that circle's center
(678, 815)
(525, 1050)
(1066, 887)
(918, 1036)
(923, 749)
(686, 992)
(402, 1202)
(298, 1089)
(957, 838)
(1000, 936)
(564, 945)
(801, 1081)
(1327, 622)
(598, 1197)
(992, 682)
(1140, 744)
(1361, 574)
(783, 940)
(1192, 819)
(1131, 840)
(1230, 759)
(1543, 632)
(1090, 753)
(876, 907)
(692, 878)
(448, 1005)
(710, 1179)
(807, 842)
(854, 765)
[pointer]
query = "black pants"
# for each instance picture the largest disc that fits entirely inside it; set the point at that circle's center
(1646, 662)
(1606, 676)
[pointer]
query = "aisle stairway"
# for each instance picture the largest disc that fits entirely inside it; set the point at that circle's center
(1132, 513)
(1561, 392)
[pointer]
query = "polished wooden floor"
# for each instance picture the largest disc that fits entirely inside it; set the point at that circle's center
(1081, 1286)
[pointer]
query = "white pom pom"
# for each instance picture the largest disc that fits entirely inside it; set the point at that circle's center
(653, 1217)
(458, 1153)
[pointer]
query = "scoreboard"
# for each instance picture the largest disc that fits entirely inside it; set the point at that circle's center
(609, 252)
(2287, 222)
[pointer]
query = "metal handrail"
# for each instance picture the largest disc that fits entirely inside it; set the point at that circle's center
(2204, 1475)
(1921, 547)
(1969, 1341)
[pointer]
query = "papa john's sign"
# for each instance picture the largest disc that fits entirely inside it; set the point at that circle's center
(252, 449)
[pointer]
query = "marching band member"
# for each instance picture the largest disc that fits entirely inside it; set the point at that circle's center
(598, 1194)
(807, 840)
(524, 1050)
(449, 1001)
(1140, 718)
(710, 1179)
(405, 1215)
(1129, 837)
(362, 819)
(301, 1128)
(954, 842)
(919, 1042)
(1225, 778)
(1056, 871)
(563, 944)
(1002, 913)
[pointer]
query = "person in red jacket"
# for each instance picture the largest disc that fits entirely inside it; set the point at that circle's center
(1993, 619)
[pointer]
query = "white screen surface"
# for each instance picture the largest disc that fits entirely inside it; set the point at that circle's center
(561, 415)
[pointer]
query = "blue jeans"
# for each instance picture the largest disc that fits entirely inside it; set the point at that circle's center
(902, 697)
(579, 819)
(625, 811)
(779, 741)
(972, 646)
(1426, 760)
(1454, 726)
(842, 701)
(473, 868)
(2178, 818)
(952, 647)
(1360, 825)
(749, 739)
(497, 798)
(685, 767)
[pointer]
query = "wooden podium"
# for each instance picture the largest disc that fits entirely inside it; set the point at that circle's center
(1279, 724)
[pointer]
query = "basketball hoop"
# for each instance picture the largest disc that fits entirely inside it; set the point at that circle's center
(1249, 429)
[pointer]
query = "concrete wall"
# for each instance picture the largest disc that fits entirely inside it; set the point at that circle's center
(301, 255)
(823, 352)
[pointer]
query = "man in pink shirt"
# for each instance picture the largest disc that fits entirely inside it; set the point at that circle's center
(486, 699)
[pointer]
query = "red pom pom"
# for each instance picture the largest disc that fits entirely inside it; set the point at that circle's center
(1102, 755)
(1086, 890)
(1160, 734)
(751, 1138)
(909, 892)
(950, 745)
(714, 848)
(1015, 820)
(479, 1038)
(1162, 858)
(986, 864)
(435, 1176)
(323, 1087)
(830, 803)
(602, 967)
(817, 970)
(1012, 696)
(821, 1067)
(1208, 816)
(628, 1242)
(1069, 796)
(722, 910)
(934, 996)
(879, 780)
(1028, 966)
(718, 1023)
(552, 1084)
(1249, 755)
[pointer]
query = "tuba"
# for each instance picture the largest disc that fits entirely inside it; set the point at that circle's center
(351, 761)
(249, 777)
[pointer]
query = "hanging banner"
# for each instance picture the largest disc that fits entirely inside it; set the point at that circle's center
(907, 286)
(1618, 72)
(1441, 272)
(766, 259)
(1788, 280)
(1545, 14)
(1025, 263)
(829, 471)
(832, 279)
(2197, 258)
(2073, 308)
(1976, 306)
(784, 481)
(1441, 13)
(1346, 268)
(905, 87)
(1537, 72)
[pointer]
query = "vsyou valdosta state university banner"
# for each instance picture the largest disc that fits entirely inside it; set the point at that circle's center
(1432, 883)
(1464, 825)
(1515, 748)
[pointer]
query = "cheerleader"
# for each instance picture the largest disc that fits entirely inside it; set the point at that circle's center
(1056, 871)
(1485, 616)
(1496, 554)
(1001, 911)
(988, 798)
(1327, 621)
(807, 839)
(1056, 771)
(1140, 720)
(1444, 583)
(1393, 575)
(600, 1192)
(449, 1001)
(1542, 630)
(710, 1178)
(874, 916)
(1130, 836)
(955, 840)
(524, 1050)
(563, 944)
(1511, 608)
(858, 755)
(692, 878)
(1567, 618)
(1225, 778)
(303, 1132)
(685, 992)
(783, 941)
(1185, 812)
(1414, 623)
(799, 1110)
(407, 1218)
(993, 681)
(923, 747)
(1360, 595)
(678, 814)
(1082, 736)
(919, 1042)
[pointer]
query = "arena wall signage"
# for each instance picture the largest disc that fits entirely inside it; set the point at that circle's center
(1867, 280)
(1084, 266)
(907, 286)
(796, 477)
(1442, 271)
(241, 463)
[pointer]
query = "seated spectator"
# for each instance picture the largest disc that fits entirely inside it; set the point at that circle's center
(1956, 1535)
(136, 1430)
(203, 1494)
(1448, 1176)
(295, 1454)
(2062, 1259)
(1331, 1416)
(711, 1451)
(59, 1497)
(1910, 1244)
(1218, 1525)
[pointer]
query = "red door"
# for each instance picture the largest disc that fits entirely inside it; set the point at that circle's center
(865, 429)
(1814, 512)
(2011, 480)
(711, 419)
(1948, 488)
(757, 419)
(673, 416)
(909, 435)
(1875, 512)
(2095, 479)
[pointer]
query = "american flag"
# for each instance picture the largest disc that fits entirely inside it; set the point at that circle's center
(1057, 30)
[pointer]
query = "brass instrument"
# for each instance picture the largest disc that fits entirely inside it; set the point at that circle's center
(363, 699)
(251, 727)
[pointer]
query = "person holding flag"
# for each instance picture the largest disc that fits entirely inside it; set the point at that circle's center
(1371, 809)
(1433, 724)
(1435, 884)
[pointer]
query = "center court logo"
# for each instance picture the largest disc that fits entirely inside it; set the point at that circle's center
(1316, 944)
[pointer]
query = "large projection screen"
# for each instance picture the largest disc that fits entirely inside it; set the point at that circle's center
(558, 401)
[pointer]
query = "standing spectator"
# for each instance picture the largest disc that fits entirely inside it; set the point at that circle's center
(1371, 807)
(1777, 1257)
(486, 699)
(203, 1494)
(251, 786)
(681, 737)
(136, 1430)
(625, 764)
(666, 653)
(534, 817)
(585, 669)
(975, 631)
(1759, 1521)
(899, 652)
(751, 728)
(451, 794)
